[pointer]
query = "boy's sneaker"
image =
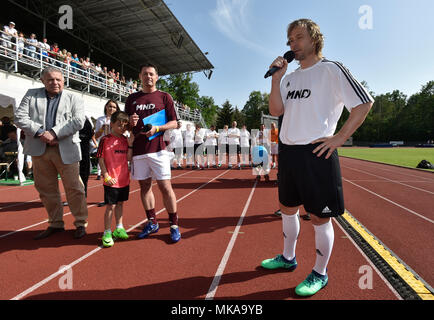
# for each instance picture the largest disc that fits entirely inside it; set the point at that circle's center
(175, 235)
(148, 229)
(279, 262)
(120, 233)
(313, 283)
(107, 240)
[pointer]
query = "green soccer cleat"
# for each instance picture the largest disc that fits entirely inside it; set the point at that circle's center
(279, 262)
(120, 234)
(313, 283)
(107, 240)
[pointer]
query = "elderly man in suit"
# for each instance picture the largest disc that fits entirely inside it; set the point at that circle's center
(51, 119)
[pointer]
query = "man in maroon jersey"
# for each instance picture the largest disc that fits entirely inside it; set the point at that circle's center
(150, 158)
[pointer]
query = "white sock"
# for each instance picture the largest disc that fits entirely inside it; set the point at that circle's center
(291, 229)
(324, 238)
(120, 225)
(107, 231)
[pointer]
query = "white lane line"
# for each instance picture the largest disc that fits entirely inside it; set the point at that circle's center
(221, 268)
(378, 166)
(394, 181)
(392, 202)
(369, 261)
(68, 213)
(87, 255)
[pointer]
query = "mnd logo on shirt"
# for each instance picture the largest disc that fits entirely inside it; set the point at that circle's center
(149, 106)
(298, 94)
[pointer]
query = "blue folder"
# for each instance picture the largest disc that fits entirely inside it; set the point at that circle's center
(157, 119)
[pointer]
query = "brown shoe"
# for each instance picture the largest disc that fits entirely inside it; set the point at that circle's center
(80, 232)
(48, 232)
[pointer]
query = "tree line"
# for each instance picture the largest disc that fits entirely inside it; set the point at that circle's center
(392, 117)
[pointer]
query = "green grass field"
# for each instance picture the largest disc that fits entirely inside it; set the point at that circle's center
(406, 157)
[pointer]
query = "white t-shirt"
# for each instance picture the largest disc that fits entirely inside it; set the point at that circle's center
(314, 99)
(244, 138)
(12, 31)
(176, 138)
(210, 136)
(234, 140)
(189, 138)
(223, 137)
(199, 135)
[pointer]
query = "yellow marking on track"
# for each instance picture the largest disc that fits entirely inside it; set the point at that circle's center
(394, 263)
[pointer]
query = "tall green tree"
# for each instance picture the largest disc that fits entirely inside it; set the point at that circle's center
(255, 105)
(208, 109)
(225, 115)
(239, 117)
(181, 87)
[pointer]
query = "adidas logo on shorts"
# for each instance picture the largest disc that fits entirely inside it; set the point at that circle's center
(326, 210)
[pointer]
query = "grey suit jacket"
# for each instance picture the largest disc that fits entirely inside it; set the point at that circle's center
(30, 117)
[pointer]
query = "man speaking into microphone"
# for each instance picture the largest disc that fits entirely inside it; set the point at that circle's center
(311, 100)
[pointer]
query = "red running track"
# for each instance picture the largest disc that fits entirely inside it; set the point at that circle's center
(228, 228)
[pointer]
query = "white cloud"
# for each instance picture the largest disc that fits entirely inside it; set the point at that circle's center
(231, 18)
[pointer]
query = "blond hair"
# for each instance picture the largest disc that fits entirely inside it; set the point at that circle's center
(314, 33)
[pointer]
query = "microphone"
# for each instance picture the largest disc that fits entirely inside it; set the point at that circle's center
(147, 127)
(288, 56)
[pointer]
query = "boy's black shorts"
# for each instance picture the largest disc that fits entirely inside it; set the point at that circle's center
(305, 179)
(115, 195)
(234, 149)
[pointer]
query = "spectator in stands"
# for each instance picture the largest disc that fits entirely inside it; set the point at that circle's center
(45, 48)
(53, 53)
(223, 145)
(21, 42)
(30, 47)
(86, 65)
(135, 86)
(9, 33)
(54, 147)
(75, 63)
(245, 145)
(98, 70)
(274, 135)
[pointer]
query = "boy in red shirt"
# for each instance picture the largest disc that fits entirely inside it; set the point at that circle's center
(114, 152)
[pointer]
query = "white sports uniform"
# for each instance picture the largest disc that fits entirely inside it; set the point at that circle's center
(314, 99)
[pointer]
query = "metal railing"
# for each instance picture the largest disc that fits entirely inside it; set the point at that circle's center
(20, 56)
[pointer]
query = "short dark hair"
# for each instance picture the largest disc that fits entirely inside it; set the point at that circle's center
(146, 65)
(119, 115)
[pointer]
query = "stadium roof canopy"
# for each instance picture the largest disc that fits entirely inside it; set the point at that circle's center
(129, 31)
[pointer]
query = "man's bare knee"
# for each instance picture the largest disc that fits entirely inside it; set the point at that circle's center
(289, 211)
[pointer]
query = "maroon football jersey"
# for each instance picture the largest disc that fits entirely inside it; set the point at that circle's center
(145, 104)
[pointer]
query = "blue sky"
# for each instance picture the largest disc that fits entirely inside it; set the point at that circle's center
(244, 36)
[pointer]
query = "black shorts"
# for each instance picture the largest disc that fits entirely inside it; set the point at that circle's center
(305, 179)
(201, 148)
(115, 195)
